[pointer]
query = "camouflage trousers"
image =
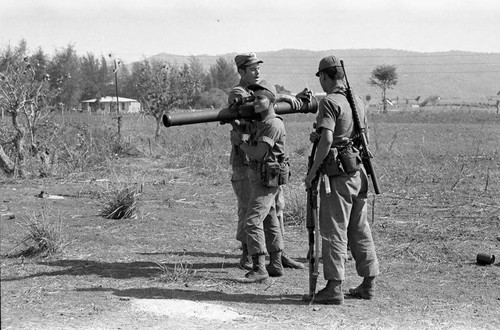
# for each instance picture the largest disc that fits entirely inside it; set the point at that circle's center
(343, 220)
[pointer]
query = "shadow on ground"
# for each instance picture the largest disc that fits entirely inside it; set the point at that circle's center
(119, 270)
(161, 293)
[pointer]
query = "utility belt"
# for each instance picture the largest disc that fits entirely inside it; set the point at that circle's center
(272, 174)
(340, 160)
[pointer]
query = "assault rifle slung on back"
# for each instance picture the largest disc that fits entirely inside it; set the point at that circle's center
(366, 155)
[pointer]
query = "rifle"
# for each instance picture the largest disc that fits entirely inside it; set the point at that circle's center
(244, 111)
(366, 155)
(312, 224)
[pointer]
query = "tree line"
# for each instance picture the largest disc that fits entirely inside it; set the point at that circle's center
(92, 77)
(35, 84)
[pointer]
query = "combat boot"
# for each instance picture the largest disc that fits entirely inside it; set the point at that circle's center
(365, 290)
(245, 260)
(258, 272)
(330, 295)
(275, 268)
(288, 262)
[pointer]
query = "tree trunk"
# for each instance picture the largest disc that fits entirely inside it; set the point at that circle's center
(6, 164)
(158, 126)
(19, 142)
(384, 101)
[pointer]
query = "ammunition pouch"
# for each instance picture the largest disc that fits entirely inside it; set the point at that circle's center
(272, 174)
(341, 160)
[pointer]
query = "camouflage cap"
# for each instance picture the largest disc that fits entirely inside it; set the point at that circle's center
(263, 85)
(327, 62)
(244, 60)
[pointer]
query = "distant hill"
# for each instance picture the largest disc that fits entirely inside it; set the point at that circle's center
(454, 76)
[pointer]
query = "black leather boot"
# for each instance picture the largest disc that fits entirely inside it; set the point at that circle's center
(258, 272)
(288, 262)
(365, 290)
(275, 268)
(245, 260)
(331, 295)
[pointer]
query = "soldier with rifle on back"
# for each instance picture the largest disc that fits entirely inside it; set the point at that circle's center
(341, 155)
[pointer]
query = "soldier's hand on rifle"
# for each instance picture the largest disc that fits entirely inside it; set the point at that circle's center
(236, 138)
(314, 136)
(309, 179)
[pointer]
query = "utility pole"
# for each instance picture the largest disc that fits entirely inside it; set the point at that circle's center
(118, 117)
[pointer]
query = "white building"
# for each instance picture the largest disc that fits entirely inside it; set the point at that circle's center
(107, 104)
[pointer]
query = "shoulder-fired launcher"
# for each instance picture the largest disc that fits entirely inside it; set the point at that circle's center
(245, 111)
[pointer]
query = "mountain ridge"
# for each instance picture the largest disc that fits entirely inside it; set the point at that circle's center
(452, 75)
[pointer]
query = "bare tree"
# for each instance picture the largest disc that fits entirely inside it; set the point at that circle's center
(385, 77)
(26, 97)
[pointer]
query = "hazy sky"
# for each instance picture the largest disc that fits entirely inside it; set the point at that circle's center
(134, 29)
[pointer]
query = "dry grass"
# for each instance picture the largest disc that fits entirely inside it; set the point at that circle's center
(122, 204)
(43, 238)
(440, 177)
(181, 271)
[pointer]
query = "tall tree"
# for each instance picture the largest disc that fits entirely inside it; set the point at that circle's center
(126, 86)
(90, 68)
(385, 77)
(223, 75)
(162, 88)
(64, 70)
(198, 74)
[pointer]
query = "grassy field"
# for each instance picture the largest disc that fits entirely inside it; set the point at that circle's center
(439, 172)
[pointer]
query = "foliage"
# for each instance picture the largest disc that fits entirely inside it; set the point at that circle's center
(198, 75)
(385, 77)
(65, 64)
(79, 145)
(93, 86)
(214, 98)
(163, 87)
(27, 95)
(223, 75)
(432, 100)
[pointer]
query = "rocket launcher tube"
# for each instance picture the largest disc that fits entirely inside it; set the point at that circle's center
(245, 111)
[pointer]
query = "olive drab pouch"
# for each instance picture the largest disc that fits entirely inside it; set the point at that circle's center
(349, 158)
(275, 174)
(331, 165)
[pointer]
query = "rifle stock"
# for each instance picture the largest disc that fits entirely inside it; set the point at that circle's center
(312, 224)
(245, 111)
(366, 155)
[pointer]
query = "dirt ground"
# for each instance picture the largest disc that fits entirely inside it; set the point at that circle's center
(111, 274)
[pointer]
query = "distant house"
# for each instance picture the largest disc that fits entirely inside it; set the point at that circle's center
(107, 104)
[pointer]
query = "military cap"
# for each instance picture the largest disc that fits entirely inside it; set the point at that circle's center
(244, 60)
(327, 62)
(263, 85)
